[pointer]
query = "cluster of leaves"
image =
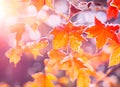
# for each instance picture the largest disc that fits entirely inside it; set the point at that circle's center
(66, 53)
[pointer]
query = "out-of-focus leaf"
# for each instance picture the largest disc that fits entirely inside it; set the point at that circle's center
(115, 58)
(3, 84)
(56, 54)
(83, 79)
(19, 29)
(30, 84)
(102, 32)
(53, 64)
(72, 65)
(35, 47)
(43, 80)
(40, 3)
(63, 80)
(14, 54)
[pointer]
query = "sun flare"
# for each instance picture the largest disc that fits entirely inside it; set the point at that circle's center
(2, 9)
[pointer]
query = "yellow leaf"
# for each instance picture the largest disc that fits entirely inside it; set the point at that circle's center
(14, 54)
(75, 43)
(115, 58)
(83, 79)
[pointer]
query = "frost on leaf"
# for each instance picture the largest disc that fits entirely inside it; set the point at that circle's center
(14, 55)
(68, 33)
(102, 32)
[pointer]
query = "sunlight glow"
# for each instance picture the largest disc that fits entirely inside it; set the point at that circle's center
(2, 9)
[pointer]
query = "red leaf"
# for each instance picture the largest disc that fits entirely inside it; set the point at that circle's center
(102, 32)
(115, 3)
(112, 12)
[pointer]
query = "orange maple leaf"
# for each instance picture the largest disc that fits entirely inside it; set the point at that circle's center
(68, 34)
(40, 3)
(102, 32)
(35, 47)
(14, 54)
(43, 80)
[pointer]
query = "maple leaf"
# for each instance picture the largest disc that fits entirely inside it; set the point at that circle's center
(71, 63)
(43, 80)
(19, 29)
(14, 54)
(102, 32)
(112, 12)
(115, 58)
(83, 79)
(35, 47)
(68, 33)
(40, 3)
